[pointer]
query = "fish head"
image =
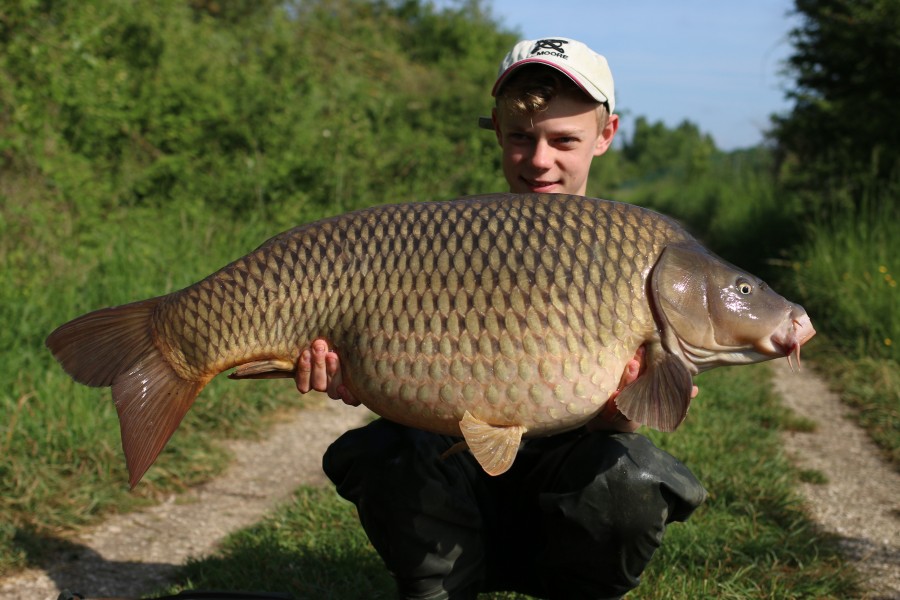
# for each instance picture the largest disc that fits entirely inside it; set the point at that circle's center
(712, 313)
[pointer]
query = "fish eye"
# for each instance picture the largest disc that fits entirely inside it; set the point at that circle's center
(744, 287)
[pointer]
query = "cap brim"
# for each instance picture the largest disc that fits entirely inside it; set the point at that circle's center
(577, 78)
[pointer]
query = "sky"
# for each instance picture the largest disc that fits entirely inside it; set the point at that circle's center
(716, 63)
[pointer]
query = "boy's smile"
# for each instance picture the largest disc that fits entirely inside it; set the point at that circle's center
(552, 151)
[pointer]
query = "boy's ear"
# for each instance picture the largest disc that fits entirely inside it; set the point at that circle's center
(604, 140)
(496, 121)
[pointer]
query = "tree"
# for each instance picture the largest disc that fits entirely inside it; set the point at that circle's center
(843, 130)
(655, 151)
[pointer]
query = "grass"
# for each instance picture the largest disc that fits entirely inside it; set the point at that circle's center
(60, 459)
(751, 539)
(62, 464)
(845, 275)
(846, 272)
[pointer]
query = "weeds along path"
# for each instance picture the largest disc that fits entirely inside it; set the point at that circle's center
(860, 502)
(135, 554)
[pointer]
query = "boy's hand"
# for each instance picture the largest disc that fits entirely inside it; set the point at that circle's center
(610, 418)
(319, 369)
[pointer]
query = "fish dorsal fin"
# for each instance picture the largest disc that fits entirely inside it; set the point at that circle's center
(494, 447)
(660, 397)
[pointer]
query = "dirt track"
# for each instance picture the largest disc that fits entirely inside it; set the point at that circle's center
(861, 501)
(134, 554)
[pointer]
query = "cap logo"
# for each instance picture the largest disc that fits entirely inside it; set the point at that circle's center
(550, 48)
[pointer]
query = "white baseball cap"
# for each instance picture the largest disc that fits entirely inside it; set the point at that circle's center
(586, 68)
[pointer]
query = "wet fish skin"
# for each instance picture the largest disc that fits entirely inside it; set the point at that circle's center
(495, 316)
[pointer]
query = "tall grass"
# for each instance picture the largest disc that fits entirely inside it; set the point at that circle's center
(848, 269)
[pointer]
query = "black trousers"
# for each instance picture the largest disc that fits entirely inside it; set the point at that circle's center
(579, 515)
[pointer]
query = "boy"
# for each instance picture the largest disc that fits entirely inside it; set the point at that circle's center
(579, 514)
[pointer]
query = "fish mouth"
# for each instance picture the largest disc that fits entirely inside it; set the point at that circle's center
(787, 342)
(794, 331)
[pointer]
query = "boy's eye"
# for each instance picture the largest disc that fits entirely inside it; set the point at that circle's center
(519, 138)
(567, 141)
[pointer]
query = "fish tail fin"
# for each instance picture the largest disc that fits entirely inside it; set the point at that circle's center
(115, 347)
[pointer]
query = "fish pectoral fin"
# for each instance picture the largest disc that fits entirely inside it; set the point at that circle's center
(275, 368)
(660, 397)
(492, 446)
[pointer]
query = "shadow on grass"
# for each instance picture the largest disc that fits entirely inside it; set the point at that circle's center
(255, 563)
(75, 567)
(248, 565)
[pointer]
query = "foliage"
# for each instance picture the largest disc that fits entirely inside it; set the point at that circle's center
(726, 199)
(843, 129)
(655, 150)
(839, 161)
(313, 104)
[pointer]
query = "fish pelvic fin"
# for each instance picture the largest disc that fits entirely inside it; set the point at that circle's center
(115, 347)
(494, 447)
(661, 396)
(275, 368)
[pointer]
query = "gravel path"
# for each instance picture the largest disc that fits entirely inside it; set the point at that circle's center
(130, 555)
(860, 503)
(133, 554)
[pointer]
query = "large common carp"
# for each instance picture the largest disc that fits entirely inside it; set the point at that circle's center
(490, 317)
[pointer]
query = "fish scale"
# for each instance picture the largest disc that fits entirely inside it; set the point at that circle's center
(490, 317)
(426, 300)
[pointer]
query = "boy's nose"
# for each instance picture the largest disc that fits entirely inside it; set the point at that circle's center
(542, 157)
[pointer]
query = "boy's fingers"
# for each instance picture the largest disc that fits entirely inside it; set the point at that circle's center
(631, 372)
(332, 365)
(336, 388)
(318, 378)
(347, 396)
(301, 375)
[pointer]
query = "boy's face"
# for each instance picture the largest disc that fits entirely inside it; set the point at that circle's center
(552, 151)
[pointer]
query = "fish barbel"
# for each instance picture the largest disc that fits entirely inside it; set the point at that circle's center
(491, 317)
